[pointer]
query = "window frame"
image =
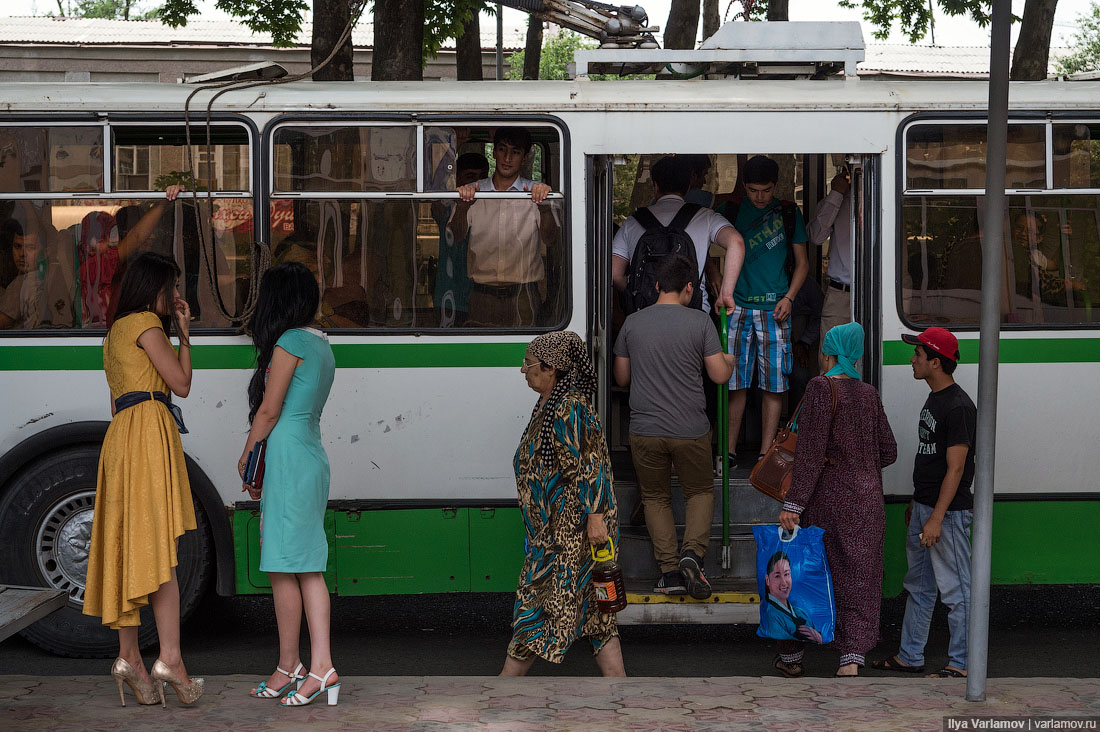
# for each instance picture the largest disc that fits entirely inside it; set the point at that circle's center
(421, 121)
(1046, 118)
(106, 120)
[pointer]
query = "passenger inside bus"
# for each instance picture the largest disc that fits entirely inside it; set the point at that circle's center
(452, 285)
(506, 238)
(37, 297)
(1037, 260)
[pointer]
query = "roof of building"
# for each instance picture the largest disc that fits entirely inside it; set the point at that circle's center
(939, 61)
(103, 32)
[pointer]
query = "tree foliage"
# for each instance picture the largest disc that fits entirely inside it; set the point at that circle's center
(110, 9)
(282, 19)
(1085, 47)
(557, 54)
(914, 16)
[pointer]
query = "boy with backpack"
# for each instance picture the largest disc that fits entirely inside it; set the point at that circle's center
(775, 268)
(662, 352)
(670, 226)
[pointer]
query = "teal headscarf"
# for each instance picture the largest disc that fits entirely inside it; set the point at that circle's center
(846, 343)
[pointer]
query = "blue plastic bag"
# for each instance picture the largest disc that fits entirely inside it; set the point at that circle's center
(796, 588)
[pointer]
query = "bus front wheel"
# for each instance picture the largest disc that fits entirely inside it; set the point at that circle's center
(45, 533)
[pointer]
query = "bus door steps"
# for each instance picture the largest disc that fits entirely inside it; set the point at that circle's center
(748, 507)
(732, 601)
(22, 606)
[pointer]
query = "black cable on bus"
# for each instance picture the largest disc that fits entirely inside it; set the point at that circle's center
(262, 251)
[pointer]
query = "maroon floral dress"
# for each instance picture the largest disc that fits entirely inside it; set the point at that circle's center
(837, 485)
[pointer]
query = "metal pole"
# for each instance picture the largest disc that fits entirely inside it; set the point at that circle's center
(989, 348)
(723, 445)
(500, 41)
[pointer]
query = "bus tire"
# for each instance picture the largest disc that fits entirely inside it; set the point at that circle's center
(45, 530)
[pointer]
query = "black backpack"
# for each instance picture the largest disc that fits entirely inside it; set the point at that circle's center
(657, 242)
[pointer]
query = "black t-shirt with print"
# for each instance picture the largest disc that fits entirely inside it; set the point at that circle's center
(948, 418)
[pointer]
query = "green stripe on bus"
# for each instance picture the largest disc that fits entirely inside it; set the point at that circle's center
(1013, 350)
(348, 356)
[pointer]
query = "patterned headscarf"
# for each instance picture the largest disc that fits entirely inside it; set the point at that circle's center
(565, 351)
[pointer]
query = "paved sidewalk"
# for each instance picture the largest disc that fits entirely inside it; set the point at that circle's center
(549, 704)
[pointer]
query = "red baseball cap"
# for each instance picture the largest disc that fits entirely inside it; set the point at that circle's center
(940, 340)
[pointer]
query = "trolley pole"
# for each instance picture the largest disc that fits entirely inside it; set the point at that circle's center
(989, 353)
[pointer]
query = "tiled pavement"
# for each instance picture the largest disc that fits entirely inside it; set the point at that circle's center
(549, 704)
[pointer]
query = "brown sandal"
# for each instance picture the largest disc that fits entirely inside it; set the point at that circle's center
(790, 670)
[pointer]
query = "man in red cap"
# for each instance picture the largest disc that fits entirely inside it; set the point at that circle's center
(937, 542)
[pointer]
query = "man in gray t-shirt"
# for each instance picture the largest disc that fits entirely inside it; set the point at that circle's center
(661, 352)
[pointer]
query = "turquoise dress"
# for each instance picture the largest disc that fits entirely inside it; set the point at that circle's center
(295, 493)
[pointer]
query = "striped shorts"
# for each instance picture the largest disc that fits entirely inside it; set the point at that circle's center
(756, 337)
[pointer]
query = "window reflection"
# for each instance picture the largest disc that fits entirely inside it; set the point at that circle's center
(51, 159)
(952, 156)
(1077, 156)
(80, 249)
(1051, 259)
(359, 159)
(397, 264)
(152, 158)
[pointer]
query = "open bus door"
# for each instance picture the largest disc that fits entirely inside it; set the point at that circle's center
(867, 261)
(598, 232)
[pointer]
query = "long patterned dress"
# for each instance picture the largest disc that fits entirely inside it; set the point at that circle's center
(844, 497)
(555, 601)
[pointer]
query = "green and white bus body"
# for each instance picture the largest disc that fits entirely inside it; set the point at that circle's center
(423, 420)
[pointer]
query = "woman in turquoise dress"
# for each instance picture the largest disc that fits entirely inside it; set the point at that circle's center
(294, 373)
(563, 476)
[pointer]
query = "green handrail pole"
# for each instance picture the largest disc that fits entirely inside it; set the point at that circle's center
(723, 445)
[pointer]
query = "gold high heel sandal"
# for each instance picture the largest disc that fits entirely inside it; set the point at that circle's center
(147, 692)
(188, 690)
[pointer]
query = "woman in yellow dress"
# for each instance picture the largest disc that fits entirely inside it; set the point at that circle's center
(143, 498)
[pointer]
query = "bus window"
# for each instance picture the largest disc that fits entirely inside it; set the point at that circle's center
(1051, 239)
(1051, 255)
(51, 159)
(150, 158)
(396, 264)
(1076, 150)
(445, 145)
(408, 253)
(952, 156)
(375, 158)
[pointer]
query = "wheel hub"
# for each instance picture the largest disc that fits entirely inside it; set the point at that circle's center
(62, 544)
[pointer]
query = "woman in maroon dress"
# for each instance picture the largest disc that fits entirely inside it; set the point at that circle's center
(837, 485)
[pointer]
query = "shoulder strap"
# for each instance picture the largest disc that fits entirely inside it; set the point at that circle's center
(684, 216)
(646, 218)
(788, 209)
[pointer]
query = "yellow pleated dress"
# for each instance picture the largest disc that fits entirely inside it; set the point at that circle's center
(143, 498)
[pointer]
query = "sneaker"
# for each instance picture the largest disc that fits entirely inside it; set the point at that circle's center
(694, 579)
(670, 583)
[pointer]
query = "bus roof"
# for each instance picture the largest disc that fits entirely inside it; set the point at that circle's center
(550, 96)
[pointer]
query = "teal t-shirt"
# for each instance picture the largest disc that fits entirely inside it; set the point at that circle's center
(763, 278)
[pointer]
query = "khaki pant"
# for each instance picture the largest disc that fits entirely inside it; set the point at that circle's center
(654, 458)
(837, 310)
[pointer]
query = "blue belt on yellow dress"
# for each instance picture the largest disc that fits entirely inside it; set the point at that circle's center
(131, 398)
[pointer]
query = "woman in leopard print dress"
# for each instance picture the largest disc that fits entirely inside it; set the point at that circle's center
(563, 475)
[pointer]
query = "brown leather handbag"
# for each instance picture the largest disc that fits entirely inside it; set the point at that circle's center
(772, 473)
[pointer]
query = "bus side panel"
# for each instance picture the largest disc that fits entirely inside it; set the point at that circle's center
(1034, 542)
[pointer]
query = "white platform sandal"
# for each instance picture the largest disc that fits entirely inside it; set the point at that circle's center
(298, 699)
(263, 691)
